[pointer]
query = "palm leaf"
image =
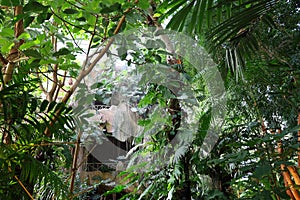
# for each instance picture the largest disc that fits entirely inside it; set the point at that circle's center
(178, 20)
(40, 174)
(234, 32)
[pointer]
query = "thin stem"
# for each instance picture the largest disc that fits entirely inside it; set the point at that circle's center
(24, 188)
(54, 85)
(60, 86)
(40, 84)
(299, 138)
(90, 43)
(22, 185)
(83, 160)
(73, 38)
(70, 22)
(74, 165)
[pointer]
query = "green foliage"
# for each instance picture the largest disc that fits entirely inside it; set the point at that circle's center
(50, 57)
(255, 40)
(230, 30)
(26, 153)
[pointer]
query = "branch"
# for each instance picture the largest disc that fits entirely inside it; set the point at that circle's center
(22, 185)
(3, 61)
(90, 43)
(84, 73)
(44, 74)
(13, 54)
(40, 83)
(53, 81)
(294, 174)
(24, 188)
(54, 85)
(298, 134)
(73, 38)
(50, 71)
(56, 15)
(291, 190)
(60, 86)
(7, 76)
(82, 162)
(74, 165)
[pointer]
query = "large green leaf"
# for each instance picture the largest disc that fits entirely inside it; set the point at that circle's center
(62, 51)
(32, 53)
(34, 6)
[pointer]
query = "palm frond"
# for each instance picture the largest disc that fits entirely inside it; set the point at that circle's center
(231, 26)
(24, 117)
(43, 177)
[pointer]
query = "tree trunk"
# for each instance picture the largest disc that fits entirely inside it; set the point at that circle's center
(299, 138)
(187, 181)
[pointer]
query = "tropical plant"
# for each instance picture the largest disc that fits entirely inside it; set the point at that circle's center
(264, 106)
(39, 44)
(255, 44)
(31, 162)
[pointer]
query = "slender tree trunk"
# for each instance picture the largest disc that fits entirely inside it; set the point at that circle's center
(290, 189)
(14, 52)
(299, 138)
(74, 165)
(287, 181)
(294, 174)
(187, 181)
(284, 174)
(8, 66)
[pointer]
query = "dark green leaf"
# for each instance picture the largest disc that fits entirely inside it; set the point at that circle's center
(35, 63)
(28, 21)
(70, 11)
(262, 170)
(60, 106)
(43, 16)
(34, 6)
(44, 105)
(51, 106)
(33, 106)
(112, 8)
(81, 19)
(32, 53)
(96, 39)
(158, 58)
(61, 52)
(177, 22)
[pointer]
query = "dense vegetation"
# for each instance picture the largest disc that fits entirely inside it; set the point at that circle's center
(48, 48)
